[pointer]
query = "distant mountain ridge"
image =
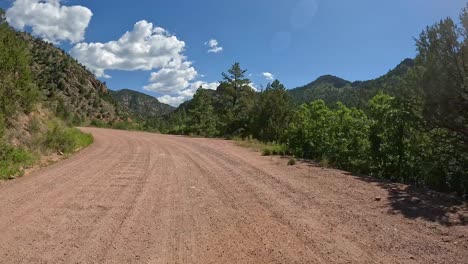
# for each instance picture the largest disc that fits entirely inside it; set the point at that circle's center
(332, 89)
(139, 104)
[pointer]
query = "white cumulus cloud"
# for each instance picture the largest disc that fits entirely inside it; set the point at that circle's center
(146, 47)
(268, 76)
(172, 80)
(143, 48)
(214, 46)
(50, 20)
(172, 100)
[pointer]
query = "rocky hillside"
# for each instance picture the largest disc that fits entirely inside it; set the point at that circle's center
(139, 104)
(68, 87)
(332, 89)
(43, 93)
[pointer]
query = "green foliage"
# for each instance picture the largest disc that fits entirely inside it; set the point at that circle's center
(292, 161)
(126, 125)
(203, 121)
(444, 80)
(236, 102)
(348, 147)
(139, 105)
(266, 149)
(332, 89)
(272, 113)
(2, 125)
(99, 123)
(18, 94)
(308, 129)
(13, 160)
(339, 135)
(395, 140)
(274, 149)
(66, 140)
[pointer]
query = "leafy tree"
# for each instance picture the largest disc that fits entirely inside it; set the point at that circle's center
(442, 54)
(202, 117)
(348, 140)
(339, 136)
(393, 132)
(309, 130)
(273, 112)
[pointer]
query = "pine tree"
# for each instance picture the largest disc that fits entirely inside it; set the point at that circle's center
(202, 116)
(237, 99)
(272, 113)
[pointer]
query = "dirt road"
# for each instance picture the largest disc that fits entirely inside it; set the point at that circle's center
(147, 198)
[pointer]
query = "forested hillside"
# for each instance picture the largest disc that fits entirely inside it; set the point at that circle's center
(409, 125)
(68, 87)
(43, 92)
(333, 89)
(139, 104)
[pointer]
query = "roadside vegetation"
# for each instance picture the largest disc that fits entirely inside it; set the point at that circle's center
(413, 129)
(266, 148)
(27, 129)
(51, 136)
(409, 126)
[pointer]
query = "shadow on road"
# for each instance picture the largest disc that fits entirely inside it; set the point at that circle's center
(413, 202)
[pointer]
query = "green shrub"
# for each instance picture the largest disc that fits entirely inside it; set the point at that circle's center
(66, 140)
(274, 149)
(126, 125)
(266, 149)
(99, 123)
(292, 161)
(2, 125)
(13, 160)
(34, 125)
(266, 152)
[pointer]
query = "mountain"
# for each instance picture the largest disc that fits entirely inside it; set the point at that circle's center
(332, 89)
(327, 87)
(139, 104)
(67, 86)
(44, 93)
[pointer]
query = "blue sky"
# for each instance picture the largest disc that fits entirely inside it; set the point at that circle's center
(295, 40)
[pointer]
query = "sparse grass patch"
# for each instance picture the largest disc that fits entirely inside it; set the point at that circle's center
(99, 123)
(274, 149)
(266, 149)
(325, 162)
(13, 160)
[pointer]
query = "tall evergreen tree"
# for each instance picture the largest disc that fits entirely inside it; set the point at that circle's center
(272, 113)
(442, 55)
(202, 116)
(237, 101)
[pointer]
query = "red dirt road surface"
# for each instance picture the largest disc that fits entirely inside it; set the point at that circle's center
(147, 198)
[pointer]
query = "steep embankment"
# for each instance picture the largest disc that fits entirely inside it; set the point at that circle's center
(68, 87)
(43, 93)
